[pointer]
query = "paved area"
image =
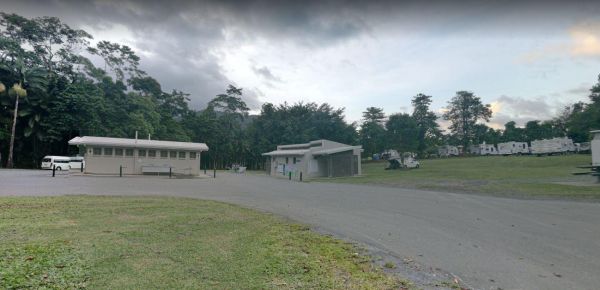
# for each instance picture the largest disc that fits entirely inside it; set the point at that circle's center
(490, 243)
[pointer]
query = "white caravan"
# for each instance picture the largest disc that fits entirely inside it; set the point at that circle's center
(512, 147)
(487, 149)
(60, 162)
(447, 151)
(552, 146)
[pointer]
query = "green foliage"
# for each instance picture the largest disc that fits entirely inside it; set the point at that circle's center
(372, 132)
(297, 123)
(53, 265)
(428, 129)
(402, 133)
(464, 111)
(516, 176)
(170, 243)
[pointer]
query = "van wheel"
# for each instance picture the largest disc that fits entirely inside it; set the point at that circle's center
(59, 168)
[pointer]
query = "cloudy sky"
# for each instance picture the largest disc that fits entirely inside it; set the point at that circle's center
(527, 59)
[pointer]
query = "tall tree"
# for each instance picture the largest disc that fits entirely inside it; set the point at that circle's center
(464, 111)
(402, 132)
(27, 79)
(426, 121)
(372, 131)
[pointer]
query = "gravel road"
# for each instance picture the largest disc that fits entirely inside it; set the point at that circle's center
(488, 242)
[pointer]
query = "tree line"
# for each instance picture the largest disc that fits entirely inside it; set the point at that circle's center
(55, 85)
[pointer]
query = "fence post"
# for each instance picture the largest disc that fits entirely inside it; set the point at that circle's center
(301, 176)
(81, 167)
(290, 174)
(120, 170)
(53, 169)
(170, 172)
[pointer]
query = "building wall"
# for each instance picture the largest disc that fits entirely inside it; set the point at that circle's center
(105, 164)
(281, 166)
(595, 146)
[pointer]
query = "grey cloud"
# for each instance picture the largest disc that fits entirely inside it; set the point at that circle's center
(266, 73)
(535, 107)
(582, 90)
(183, 35)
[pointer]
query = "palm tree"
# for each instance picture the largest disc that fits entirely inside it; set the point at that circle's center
(28, 79)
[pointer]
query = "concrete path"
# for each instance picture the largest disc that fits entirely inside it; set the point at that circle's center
(490, 243)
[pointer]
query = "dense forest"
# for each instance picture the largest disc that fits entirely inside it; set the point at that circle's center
(55, 85)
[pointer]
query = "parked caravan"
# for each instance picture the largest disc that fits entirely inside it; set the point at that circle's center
(583, 147)
(487, 149)
(512, 147)
(552, 146)
(60, 162)
(447, 151)
(475, 150)
(390, 154)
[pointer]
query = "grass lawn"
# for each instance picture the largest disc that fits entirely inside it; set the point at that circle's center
(518, 176)
(102, 242)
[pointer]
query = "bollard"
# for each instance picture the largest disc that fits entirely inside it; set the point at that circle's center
(205, 170)
(215, 172)
(169, 172)
(121, 171)
(290, 175)
(300, 175)
(81, 167)
(53, 169)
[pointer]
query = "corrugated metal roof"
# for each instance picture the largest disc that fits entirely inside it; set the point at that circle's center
(137, 143)
(335, 150)
(286, 152)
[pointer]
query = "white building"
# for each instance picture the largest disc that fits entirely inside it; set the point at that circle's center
(104, 155)
(512, 147)
(596, 148)
(319, 158)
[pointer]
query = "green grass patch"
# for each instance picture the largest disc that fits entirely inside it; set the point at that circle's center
(517, 176)
(77, 242)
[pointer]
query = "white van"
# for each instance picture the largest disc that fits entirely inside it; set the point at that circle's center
(61, 162)
(76, 163)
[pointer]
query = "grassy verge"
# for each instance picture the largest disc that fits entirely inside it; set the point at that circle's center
(518, 176)
(79, 242)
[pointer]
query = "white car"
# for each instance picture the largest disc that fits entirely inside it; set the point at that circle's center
(76, 163)
(59, 162)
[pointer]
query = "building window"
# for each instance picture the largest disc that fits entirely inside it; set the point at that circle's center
(98, 151)
(164, 154)
(192, 155)
(173, 154)
(118, 152)
(152, 153)
(108, 151)
(287, 160)
(294, 160)
(181, 155)
(141, 153)
(128, 152)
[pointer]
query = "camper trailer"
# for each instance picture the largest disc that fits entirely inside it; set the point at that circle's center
(487, 149)
(512, 147)
(552, 146)
(447, 151)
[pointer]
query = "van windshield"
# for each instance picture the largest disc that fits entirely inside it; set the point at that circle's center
(46, 160)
